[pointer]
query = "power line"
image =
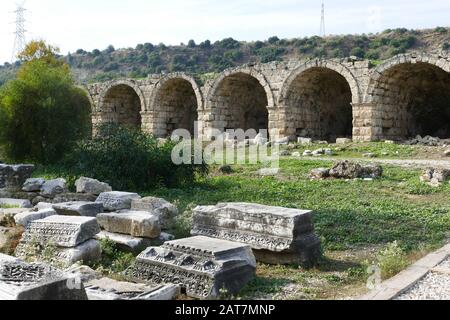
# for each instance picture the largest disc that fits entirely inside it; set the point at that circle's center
(19, 41)
(322, 23)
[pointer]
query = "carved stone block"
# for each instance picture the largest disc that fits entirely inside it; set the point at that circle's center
(277, 235)
(202, 266)
(23, 281)
(62, 231)
(134, 223)
(114, 201)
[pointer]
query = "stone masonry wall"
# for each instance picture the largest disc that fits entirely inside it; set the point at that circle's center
(324, 99)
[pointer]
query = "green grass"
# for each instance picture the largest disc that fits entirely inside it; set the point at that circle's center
(356, 220)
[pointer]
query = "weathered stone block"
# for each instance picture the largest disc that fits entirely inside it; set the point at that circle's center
(135, 223)
(62, 231)
(127, 242)
(109, 289)
(23, 281)
(93, 186)
(88, 252)
(52, 188)
(24, 218)
(33, 185)
(114, 201)
(164, 209)
(12, 177)
(277, 235)
(203, 266)
(15, 203)
(79, 208)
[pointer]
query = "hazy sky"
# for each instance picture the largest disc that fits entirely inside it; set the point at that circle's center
(97, 23)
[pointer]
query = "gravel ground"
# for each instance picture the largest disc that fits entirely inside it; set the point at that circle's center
(434, 286)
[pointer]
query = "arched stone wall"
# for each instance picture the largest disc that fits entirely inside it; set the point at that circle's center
(122, 102)
(411, 95)
(317, 102)
(174, 104)
(239, 99)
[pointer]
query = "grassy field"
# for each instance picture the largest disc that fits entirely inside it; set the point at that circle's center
(355, 219)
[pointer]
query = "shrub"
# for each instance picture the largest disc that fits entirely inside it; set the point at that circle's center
(129, 159)
(392, 260)
(42, 112)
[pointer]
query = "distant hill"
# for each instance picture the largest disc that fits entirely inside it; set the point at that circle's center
(206, 57)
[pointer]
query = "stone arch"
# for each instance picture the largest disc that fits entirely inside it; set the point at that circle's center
(174, 103)
(94, 107)
(240, 99)
(317, 100)
(122, 101)
(411, 96)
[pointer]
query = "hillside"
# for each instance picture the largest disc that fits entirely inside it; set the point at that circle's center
(208, 57)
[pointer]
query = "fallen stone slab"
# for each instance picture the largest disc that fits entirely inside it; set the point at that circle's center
(43, 206)
(87, 253)
(62, 231)
(74, 197)
(12, 177)
(343, 141)
(15, 203)
(134, 223)
(93, 186)
(277, 235)
(33, 185)
(114, 201)
(200, 265)
(24, 218)
(23, 281)
(109, 289)
(51, 188)
(353, 170)
(79, 208)
(164, 209)
(320, 173)
(128, 243)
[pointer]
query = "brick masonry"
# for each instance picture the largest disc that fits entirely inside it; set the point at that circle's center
(323, 99)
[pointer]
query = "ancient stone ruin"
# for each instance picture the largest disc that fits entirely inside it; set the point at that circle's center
(348, 170)
(401, 98)
(63, 240)
(23, 281)
(201, 266)
(276, 235)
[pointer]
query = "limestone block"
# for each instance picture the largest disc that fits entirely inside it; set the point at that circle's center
(24, 218)
(88, 252)
(23, 281)
(134, 223)
(343, 141)
(109, 289)
(113, 201)
(88, 185)
(33, 185)
(79, 208)
(74, 197)
(164, 209)
(127, 242)
(15, 203)
(53, 187)
(62, 231)
(202, 266)
(277, 235)
(12, 177)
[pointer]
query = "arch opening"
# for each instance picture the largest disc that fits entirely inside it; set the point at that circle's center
(122, 105)
(414, 100)
(240, 102)
(319, 105)
(176, 106)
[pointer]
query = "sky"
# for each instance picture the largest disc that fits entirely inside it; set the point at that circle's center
(95, 24)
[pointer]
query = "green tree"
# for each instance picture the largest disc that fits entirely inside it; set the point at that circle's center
(42, 112)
